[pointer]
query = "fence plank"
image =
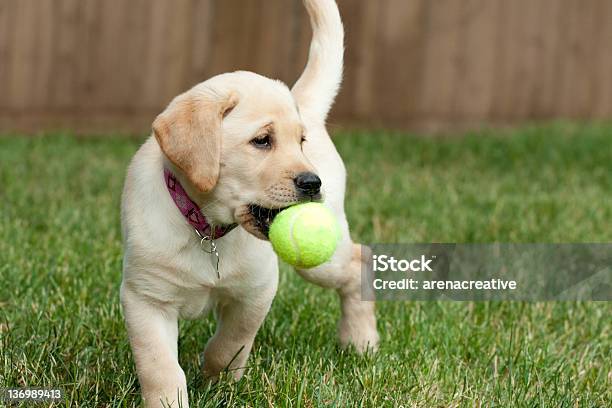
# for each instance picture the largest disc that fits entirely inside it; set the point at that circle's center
(442, 50)
(201, 41)
(517, 61)
(365, 71)
(6, 50)
(549, 41)
(475, 66)
(577, 80)
(603, 83)
(398, 55)
(22, 65)
(352, 16)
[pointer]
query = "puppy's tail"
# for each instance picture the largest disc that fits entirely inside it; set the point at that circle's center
(318, 85)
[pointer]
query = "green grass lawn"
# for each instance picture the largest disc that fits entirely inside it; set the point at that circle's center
(60, 268)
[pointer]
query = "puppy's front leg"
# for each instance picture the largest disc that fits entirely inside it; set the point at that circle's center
(153, 334)
(237, 325)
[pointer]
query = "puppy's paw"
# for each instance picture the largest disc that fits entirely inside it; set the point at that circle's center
(214, 371)
(363, 341)
(227, 375)
(358, 326)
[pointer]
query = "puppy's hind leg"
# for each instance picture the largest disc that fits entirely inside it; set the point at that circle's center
(357, 326)
(358, 323)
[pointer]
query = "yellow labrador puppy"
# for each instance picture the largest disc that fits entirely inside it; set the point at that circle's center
(199, 196)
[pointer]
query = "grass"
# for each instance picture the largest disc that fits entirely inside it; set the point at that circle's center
(60, 268)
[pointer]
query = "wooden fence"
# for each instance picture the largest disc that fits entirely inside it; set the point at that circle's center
(107, 65)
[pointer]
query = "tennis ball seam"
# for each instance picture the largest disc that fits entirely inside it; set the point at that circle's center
(296, 248)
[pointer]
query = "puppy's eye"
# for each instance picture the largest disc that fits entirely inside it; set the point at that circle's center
(262, 142)
(303, 139)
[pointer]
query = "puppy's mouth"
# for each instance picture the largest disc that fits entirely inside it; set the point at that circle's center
(260, 218)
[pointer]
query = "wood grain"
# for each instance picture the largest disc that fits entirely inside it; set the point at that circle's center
(114, 64)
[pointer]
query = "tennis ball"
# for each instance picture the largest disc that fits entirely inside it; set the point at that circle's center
(305, 235)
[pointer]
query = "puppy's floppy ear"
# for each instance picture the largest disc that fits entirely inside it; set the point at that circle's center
(189, 134)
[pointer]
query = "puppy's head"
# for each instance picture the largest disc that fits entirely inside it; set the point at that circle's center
(237, 140)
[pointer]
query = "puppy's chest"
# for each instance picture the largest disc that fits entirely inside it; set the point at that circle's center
(208, 269)
(200, 286)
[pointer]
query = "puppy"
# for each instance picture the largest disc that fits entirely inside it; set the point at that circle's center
(199, 196)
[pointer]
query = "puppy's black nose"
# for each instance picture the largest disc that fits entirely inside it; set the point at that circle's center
(308, 183)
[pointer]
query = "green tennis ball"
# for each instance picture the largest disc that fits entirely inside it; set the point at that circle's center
(305, 235)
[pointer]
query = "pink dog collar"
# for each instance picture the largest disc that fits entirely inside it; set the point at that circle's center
(191, 211)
